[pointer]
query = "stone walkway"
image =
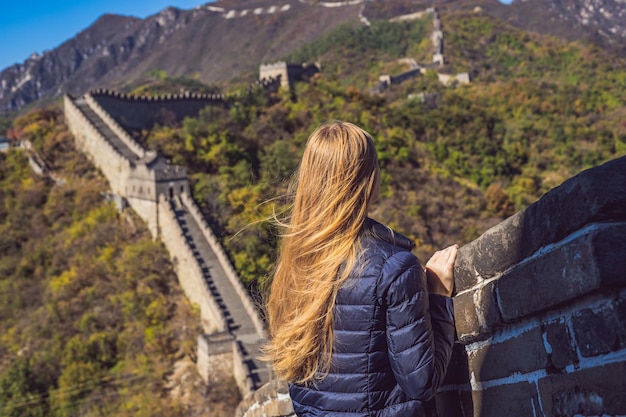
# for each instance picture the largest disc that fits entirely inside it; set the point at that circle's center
(105, 131)
(240, 323)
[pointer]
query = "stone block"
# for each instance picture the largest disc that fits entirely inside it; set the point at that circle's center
(513, 400)
(285, 408)
(270, 408)
(610, 254)
(596, 332)
(476, 313)
(493, 252)
(594, 391)
(572, 268)
(487, 307)
(465, 317)
(558, 345)
(546, 222)
(521, 354)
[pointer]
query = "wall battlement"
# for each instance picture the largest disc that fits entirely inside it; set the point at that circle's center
(540, 311)
(210, 98)
(136, 113)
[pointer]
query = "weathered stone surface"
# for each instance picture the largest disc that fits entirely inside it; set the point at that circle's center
(596, 391)
(596, 332)
(269, 400)
(559, 345)
(487, 307)
(465, 317)
(610, 254)
(492, 252)
(571, 269)
(515, 400)
(562, 211)
(521, 354)
(476, 313)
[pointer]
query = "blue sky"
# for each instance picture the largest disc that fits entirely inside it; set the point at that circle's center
(28, 26)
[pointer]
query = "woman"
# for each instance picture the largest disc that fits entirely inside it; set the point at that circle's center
(357, 327)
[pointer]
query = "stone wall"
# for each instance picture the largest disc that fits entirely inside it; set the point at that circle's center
(540, 310)
(216, 355)
(115, 127)
(541, 306)
(188, 270)
(287, 73)
(159, 194)
(90, 141)
(272, 400)
(438, 59)
(135, 113)
(232, 276)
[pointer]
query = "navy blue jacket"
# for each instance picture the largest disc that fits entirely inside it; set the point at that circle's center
(393, 340)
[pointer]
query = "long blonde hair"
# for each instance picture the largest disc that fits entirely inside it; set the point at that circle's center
(336, 180)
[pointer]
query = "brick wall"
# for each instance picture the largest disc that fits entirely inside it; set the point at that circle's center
(142, 112)
(90, 141)
(540, 310)
(540, 307)
(188, 270)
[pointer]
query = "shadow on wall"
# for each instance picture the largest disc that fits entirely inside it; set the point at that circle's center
(540, 311)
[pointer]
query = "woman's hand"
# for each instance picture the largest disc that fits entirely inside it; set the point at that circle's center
(440, 271)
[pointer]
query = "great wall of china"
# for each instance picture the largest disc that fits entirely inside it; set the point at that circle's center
(540, 305)
(159, 193)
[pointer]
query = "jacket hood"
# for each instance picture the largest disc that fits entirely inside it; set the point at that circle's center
(380, 231)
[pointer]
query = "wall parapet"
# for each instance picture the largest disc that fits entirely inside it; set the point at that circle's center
(131, 143)
(216, 246)
(72, 109)
(163, 97)
(89, 139)
(189, 271)
(545, 222)
(540, 308)
(270, 400)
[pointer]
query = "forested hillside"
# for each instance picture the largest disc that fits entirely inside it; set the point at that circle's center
(538, 111)
(92, 320)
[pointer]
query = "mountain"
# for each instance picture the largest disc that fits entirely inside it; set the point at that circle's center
(213, 43)
(228, 39)
(602, 22)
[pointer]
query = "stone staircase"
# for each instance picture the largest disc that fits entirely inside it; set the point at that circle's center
(239, 322)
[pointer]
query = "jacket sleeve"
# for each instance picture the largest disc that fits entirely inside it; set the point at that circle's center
(420, 328)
